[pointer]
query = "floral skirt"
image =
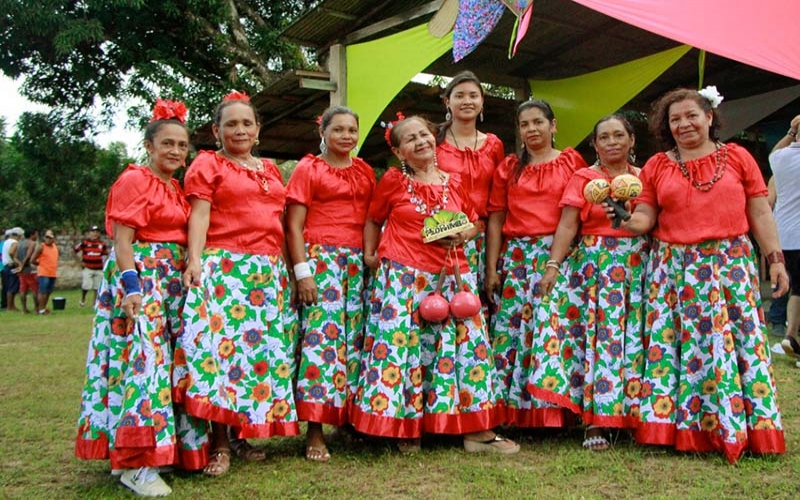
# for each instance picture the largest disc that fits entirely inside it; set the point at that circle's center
(417, 376)
(708, 381)
(521, 313)
(235, 359)
(332, 335)
(127, 412)
(598, 364)
(475, 253)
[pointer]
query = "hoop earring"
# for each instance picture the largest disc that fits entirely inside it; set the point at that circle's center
(323, 148)
(632, 157)
(448, 116)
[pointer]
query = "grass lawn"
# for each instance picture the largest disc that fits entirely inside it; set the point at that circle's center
(41, 372)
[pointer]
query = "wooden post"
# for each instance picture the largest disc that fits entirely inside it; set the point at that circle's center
(521, 94)
(337, 65)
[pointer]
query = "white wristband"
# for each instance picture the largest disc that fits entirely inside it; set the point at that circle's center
(302, 270)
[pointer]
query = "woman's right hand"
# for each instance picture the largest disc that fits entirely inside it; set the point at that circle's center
(492, 285)
(131, 305)
(307, 290)
(548, 280)
(191, 276)
(371, 261)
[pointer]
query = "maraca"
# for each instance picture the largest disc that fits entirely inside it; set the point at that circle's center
(599, 190)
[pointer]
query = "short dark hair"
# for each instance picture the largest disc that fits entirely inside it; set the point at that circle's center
(329, 113)
(659, 115)
(224, 104)
(153, 127)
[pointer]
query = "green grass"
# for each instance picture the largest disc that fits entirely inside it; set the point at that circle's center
(41, 372)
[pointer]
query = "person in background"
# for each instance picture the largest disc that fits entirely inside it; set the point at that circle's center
(707, 382)
(27, 274)
(785, 163)
(92, 252)
(127, 412)
(46, 259)
(11, 267)
(327, 203)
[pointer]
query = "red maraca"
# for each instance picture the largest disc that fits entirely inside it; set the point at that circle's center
(464, 304)
(434, 308)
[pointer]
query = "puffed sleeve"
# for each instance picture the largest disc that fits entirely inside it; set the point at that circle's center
(752, 180)
(574, 159)
(573, 193)
(128, 199)
(202, 177)
(383, 196)
(648, 194)
(498, 197)
(300, 190)
(497, 151)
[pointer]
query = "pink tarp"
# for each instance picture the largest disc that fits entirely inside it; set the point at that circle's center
(762, 34)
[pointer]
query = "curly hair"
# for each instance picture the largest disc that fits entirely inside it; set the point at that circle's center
(659, 115)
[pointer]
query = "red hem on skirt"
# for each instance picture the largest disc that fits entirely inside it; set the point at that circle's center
(390, 427)
(207, 411)
(461, 423)
(193, 459)
(135, 437)
(133, 458)
(91, 449)
(762, 441)
(321, 413)
(554, 398)
(614, 422)
(538, 417)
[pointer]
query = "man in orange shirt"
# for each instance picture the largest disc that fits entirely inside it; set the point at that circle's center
(46, 257)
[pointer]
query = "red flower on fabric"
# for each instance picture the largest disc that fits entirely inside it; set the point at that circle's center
(226, 264)
(517, 255)
(312, 373)
(573, 313)
(165, 109)
(256, 297)
(236, 96)
(260, 367)
(220, 291)
(509, 292)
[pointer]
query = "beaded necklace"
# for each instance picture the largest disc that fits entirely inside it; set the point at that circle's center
(720, 162)
(261, 176)
(605, 170)
(421, 206)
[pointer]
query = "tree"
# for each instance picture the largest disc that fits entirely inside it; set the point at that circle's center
(73, 52)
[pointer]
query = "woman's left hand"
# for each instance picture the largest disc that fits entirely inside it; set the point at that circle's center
(548, 280)
(778, 279)
(454, 240)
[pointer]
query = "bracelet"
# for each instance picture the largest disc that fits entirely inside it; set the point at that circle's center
(791, 133)
(776, 257)
(302, 271)
(130, 282)
(553, 264)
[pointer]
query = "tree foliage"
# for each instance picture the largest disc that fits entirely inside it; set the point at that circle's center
(73, 52)
(51, 178)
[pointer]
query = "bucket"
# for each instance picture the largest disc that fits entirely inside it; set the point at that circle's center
(59, 303)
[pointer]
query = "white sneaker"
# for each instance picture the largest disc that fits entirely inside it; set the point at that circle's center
(145, 482)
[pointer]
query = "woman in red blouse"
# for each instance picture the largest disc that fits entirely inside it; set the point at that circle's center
(523, 216)
(419, 376)
(465, 151)
(240, 330)
(327, 203)
(127, 413)
(707, 381)
(597, 365)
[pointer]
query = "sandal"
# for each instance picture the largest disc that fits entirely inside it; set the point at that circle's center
(597, 442)
(317, 453)
(219, 463)
(244, 450)
(493, 445)
(409, 445)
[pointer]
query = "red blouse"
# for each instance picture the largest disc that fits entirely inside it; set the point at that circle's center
(336, 200)
(686, 214)
(593, 217)
(475, 167)
(158, 212)
(245, 217)
(531, 202)
(402, 236)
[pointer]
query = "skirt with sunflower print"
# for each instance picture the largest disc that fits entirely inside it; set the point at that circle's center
(418, 376)
(332, 333)
(708, 382)
(235, 360)
(521, 313)
(127, 413)
(598, 335)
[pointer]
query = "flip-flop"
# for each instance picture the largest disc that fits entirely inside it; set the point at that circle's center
(219, 463)
(317, 453)
(492, 445)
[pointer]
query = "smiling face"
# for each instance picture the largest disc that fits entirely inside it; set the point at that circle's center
(341, 134)
(465, 101)
(416, 144)
(688, 123)
(535, 129)
(612, 142)
(168, 148)
(237, 129)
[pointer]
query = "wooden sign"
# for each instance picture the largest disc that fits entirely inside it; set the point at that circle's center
(444, 223)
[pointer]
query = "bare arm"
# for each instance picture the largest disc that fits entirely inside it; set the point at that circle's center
(762, 224)
(568, 227)
(36, 254)
(198, 227)
(642, 219)
(372, 236)
(296, 245)
(773, 193)
(788, 139)
(123, 248)
(494, 240)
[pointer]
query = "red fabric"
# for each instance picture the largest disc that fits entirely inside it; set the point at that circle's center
(321, 413)
(28, 283)
(762, 441)
(193, 459)
(687, 215)
(538, 417)
(206, 411)
(244, 217)
(409, 428)
(140, 200)
(92, 253)
(475, 167)
(593, 217)
(135, 437)
(133, 458)
(531, 202)
(336, 200)
(402, 236)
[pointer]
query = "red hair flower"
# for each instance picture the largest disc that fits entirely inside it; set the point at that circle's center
(237, 96)
(319, 120)
(389, 126)
(169, 110)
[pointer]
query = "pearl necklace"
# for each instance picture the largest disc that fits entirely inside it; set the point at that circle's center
(421, 206)
(720, 162)
(261, 176)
